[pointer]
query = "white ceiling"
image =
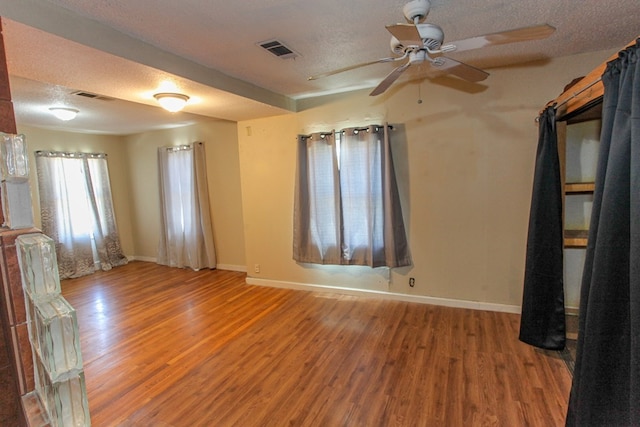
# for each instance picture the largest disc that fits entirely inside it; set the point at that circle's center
(127, 50)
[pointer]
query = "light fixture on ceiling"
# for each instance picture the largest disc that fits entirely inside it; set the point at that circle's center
(172, 102)
(64, 113)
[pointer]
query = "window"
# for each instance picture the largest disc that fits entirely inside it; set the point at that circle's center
(77, 211)
(186, 237)
(347, 208)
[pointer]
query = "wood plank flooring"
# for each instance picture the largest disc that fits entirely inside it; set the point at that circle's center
(172, 347)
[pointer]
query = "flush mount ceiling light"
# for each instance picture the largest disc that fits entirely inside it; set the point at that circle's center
(172, 102)
(64, 113)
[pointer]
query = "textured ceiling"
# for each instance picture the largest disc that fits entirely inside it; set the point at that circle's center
(207, 48)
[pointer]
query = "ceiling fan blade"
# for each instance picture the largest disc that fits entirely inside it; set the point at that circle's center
(460, 69)
(406, 34)
(391, 77)
(511, 36)
(353, 67)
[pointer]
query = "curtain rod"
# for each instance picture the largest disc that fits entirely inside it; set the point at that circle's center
(573, 95)
(322, 135)
(181, 146)
(361, 129)
(46, 153)
(367, 128)
(178, 148)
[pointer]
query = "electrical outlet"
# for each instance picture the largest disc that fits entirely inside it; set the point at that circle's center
(256, 268)
(412, 282)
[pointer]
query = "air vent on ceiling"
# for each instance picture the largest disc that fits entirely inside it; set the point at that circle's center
(278, 49)
(91, 95)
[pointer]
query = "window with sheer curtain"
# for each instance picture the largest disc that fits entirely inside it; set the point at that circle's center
(186, 236)
(77, 211)
(347, 207)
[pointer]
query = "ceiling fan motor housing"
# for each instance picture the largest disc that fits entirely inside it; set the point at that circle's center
(431, 35)
(416, 9)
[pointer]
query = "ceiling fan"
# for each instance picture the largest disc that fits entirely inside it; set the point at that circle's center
(420, 42)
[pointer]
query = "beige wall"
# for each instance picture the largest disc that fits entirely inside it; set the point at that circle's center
(465, 163)
(221, 148)
(114, 146)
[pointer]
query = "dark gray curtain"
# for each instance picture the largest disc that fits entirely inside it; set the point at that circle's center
(542, 322)
(606, 383)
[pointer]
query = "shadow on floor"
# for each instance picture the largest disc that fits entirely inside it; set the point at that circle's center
(569, 354)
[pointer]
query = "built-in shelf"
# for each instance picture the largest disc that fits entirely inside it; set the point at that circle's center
(579, 187)
(575, 238)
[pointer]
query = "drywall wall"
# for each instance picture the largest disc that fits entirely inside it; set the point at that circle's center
(113, 146)
(221, 148)
(464, 159)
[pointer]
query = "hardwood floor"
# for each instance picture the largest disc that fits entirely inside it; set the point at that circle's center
(172, 347)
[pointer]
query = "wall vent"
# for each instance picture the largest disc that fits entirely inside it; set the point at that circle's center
(278, 49)
(91, 95)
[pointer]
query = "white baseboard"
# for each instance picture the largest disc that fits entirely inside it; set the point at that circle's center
(447, 302)
(231, 267)
(141, 258)
(571, 311)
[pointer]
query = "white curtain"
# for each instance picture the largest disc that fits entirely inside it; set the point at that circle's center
(186, 236)
(347, 207)
(77, 211)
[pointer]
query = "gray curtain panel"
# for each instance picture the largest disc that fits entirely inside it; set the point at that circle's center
(606, 383)
(316, 218)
